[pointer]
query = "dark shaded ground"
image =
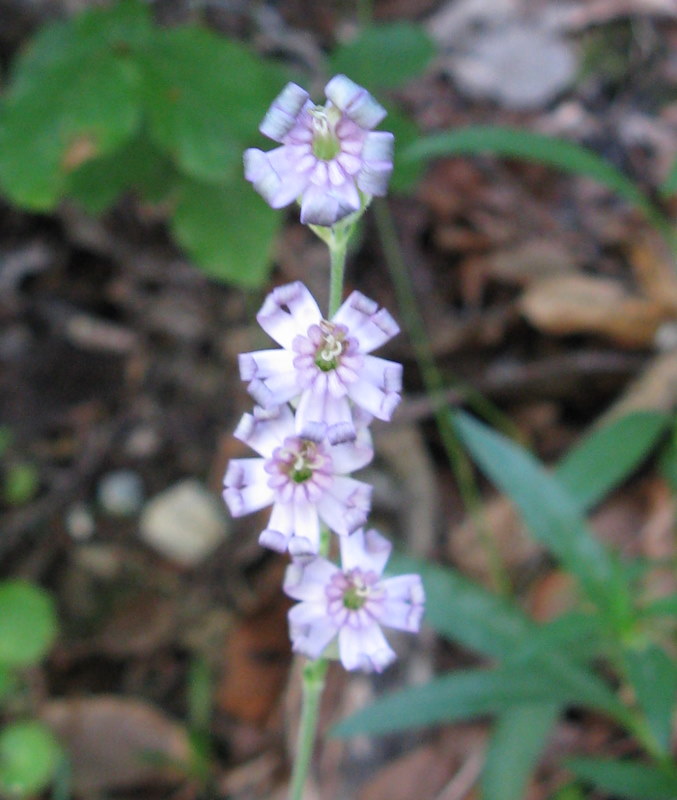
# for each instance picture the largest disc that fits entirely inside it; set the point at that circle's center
(115, 353)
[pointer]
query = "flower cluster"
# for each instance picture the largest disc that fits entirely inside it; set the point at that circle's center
(317, 393)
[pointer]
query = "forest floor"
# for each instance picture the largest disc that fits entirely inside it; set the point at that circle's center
(550, 297)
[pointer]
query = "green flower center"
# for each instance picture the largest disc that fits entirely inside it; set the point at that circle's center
(326, 145)
(355, 598)
(328, 354)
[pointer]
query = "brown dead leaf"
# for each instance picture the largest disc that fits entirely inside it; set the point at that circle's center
(655, 272)
(515, 548)
(567, 304)
(531, 261)
(109, 740)
(447, 768)
(552, 595)
(655, 389)
(256, 662)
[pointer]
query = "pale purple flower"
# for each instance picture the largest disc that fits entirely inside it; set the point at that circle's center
(302, 475)
(329, 154)
(326, 363)
(351, 603)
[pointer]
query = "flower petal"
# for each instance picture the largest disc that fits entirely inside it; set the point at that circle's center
(283, 112)
(310, 630)
(354, 101)
(307, 578)
(264, 431)
(301, 312)
(365, 649)
(367, 550)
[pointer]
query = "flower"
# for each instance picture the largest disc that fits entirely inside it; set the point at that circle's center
(303, 475)
(325, 362)
(329, 153)
(352, 603)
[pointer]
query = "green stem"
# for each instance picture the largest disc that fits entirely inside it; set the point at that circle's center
(432, 381)
(313, 684)
(338, 246)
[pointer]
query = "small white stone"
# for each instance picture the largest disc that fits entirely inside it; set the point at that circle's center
(79, 522)
(120, 493)
(185, 523)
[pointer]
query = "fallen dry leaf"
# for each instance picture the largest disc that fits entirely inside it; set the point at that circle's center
(566, 304)
(109, 740)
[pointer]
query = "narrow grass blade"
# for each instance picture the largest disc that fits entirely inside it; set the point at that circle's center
(626, 779)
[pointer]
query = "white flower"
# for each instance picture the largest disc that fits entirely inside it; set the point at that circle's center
(351, 603)
(324, 362)
(302, 475)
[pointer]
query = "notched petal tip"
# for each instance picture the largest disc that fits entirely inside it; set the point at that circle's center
(273, 540)
(283, 112)
(355, 101)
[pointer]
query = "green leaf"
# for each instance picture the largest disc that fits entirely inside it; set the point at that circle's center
(608, 455)
(530, 146)
(465, 612)
(21, 483)
(626, 779)
(550, 514)
(464, 694)
(406, 173)
(75, 96)
(517, 740)
(663, 606)
(138, 165)
(206, 96)
(227, 230)
(7, 681)
(28, 623)
(384, 55)
(669, 186)
(29, 754)
(653, 676)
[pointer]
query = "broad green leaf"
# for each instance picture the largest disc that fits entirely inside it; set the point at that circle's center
(550, 514)
(29, 754)
(516, 743)
(27, 623)
(608, 455)
(576, 634)
(626, 779)
(384, 55)
(227, 230)
(530, 146)
(406, 173)
(84, 110)
(653, 676)
(138, 165)
(668, 459)
(7, 681)
(460, 695)
(206, 96)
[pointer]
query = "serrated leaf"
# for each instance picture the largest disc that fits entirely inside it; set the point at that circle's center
(405, 173)
(206, 96)
(516, 742)
(548, 150)
(608, 455)
(27, 623)
(626, 779)
(228, 231)
(653, 677)
(550, 514)
(75, 97)
(138, 165)
(384, 55)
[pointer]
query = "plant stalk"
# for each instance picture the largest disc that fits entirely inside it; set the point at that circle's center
(313, 683)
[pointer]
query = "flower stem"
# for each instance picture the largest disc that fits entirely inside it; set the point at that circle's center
(313, 684)
(337, 250)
